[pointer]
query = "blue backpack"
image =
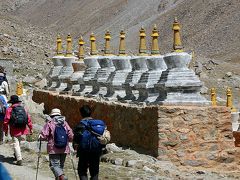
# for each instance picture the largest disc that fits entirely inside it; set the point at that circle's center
(4, 173)
(88, 139)
(60, 136)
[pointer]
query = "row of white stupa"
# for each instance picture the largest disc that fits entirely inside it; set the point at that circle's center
(152, 79)
(155, 78)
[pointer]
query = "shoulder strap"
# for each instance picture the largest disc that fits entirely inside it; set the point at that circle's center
(85, 123)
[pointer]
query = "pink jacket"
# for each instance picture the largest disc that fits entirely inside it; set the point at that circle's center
(47, 133)
(14, 132)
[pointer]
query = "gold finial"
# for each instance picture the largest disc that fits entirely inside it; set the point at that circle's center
(177, 43)
(69, 46)
(81, 49)
(107, 50)
(142, 44)
(93, 44)
(213, 97)
(19, 90)
(155, 35)
(59, 46)
(122, 44)
(229, 100)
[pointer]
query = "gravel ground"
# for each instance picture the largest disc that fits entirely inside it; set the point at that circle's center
(109, 167)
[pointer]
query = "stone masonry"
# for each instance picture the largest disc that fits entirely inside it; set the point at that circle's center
(187, 135)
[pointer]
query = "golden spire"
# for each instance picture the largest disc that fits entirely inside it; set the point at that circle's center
(142, 44)
(69, 46)
(19, 90)
(155, 35)
(59, 46)
(177, 43)
(122, 44)
(81, 49)
(93, 45)
(213, 97)
(229, 99)
(107, 38)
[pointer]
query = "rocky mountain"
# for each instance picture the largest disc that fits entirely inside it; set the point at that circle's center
(209, 28)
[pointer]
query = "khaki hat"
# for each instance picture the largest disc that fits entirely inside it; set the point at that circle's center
(55, 111)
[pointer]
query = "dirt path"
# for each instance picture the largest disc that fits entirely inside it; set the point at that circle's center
(115, 166)
(25, 172)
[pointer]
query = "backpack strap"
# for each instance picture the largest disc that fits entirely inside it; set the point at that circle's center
(88, 127)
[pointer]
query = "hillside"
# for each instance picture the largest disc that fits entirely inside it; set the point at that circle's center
(210, 28)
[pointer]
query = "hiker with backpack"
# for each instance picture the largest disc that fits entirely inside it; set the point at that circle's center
(3, 107)
(4, 86)
(58, 134)
(90, 136)
(18, 120)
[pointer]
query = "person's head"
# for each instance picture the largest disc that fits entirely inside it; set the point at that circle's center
(85, 111)
(14, 99)
(55, 112)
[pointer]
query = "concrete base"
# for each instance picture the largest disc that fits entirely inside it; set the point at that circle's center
(92, 66)
(139, 66)
(180, 85)
(54, 72)
(102, 74)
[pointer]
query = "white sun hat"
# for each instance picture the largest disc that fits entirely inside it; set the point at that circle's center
(55, 111)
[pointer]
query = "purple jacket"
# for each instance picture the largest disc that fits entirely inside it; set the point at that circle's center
(47, 133)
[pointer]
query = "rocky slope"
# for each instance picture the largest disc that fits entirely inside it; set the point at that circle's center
(28, 46)
(210, 28)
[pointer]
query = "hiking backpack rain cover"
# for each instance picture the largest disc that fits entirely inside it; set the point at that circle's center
(88, 139)
(19, 117)
(60, 136)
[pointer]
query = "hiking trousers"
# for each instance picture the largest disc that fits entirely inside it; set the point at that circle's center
(16, 146)
(56, 163)
(88, 160)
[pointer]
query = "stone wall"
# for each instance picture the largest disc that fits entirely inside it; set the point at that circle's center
(187, 135)
(196, 136)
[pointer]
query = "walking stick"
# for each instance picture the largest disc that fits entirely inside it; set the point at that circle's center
(39, 154)
(73, 165)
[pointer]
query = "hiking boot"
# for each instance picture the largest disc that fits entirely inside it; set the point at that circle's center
(19, 162)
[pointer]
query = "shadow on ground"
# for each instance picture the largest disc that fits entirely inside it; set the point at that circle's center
(9, 160)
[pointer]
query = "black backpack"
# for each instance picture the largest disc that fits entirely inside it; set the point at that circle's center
(19, 117)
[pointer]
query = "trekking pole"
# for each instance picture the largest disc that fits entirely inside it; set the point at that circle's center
(71, 156)
(39, 153)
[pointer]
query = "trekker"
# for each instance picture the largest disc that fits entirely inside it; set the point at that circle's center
(58, 134)
(3, 107)
(90, 136)
(18, 119)
(4, 87)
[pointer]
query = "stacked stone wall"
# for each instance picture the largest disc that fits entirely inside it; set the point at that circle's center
(195, 136)
(130, 125)
(187, 135)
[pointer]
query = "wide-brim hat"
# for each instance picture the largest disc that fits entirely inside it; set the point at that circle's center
(14, 99)
(55, 112)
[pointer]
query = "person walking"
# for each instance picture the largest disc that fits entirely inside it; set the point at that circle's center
(90, 136)
(4, 86)
(18, 119)
(58, 134)
(3, 107)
